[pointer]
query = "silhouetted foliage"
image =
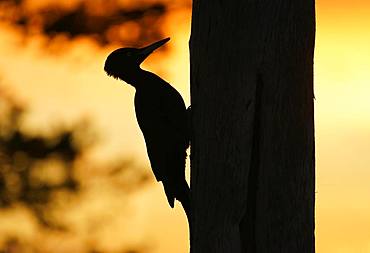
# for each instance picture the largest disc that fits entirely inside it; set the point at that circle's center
(21, 154)
(106, 22)
(33, 168)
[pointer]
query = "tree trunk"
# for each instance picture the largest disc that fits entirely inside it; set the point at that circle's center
(252, 149)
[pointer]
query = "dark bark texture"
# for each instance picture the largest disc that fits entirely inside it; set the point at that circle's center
(252, 148)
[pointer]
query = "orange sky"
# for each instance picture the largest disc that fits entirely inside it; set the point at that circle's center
(342, 76)
(65, 87)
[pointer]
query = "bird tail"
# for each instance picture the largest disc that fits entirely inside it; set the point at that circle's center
(181, 192)
(169, 190)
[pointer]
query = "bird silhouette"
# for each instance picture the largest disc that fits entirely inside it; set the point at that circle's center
(162, 118)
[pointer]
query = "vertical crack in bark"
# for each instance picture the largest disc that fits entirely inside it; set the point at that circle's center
(248, 223)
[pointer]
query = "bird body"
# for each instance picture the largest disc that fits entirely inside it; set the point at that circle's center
(161, 115)
(162, 118)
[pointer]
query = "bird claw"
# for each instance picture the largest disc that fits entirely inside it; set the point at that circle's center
(189, 122)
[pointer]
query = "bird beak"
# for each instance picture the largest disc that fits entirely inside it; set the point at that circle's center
(146, 51)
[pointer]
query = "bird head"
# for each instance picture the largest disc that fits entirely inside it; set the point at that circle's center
(124, 63)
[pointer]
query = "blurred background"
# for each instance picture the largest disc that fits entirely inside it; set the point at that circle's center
(74, 175)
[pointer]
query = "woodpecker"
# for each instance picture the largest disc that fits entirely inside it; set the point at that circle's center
(162, 118)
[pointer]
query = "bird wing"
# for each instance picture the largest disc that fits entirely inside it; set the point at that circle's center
(167, 157)
(163, 141)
